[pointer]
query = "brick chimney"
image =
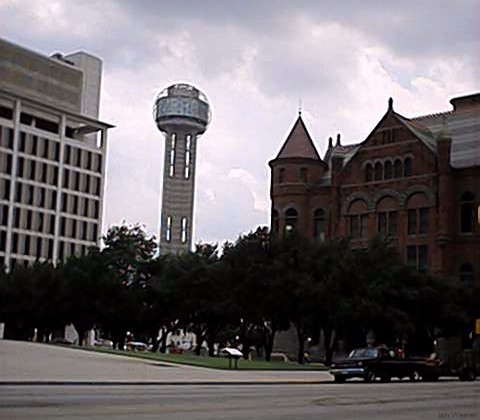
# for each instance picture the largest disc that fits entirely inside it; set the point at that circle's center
(465, 103)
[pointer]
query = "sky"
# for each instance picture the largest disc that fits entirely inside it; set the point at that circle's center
(256, 61)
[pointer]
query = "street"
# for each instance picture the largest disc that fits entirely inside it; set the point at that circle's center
(356, 400)
(43, 382)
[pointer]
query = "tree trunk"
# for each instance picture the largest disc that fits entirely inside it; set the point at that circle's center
(269, 334)
(210, 343)
(301, 344)
(163, 340)
(81, 335)
(329, 335)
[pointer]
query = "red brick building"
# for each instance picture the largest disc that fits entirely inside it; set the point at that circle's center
(413, 180)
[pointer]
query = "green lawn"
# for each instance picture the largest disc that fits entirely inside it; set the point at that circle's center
(211, 362)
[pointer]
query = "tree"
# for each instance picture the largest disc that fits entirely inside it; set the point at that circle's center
(129, 251)
(32, 299)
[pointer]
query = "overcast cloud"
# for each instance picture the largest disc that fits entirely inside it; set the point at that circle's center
(254, 60)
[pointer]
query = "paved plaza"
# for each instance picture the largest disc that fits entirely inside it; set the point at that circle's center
(35, 362)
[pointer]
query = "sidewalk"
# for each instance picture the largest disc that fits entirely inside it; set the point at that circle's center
(25, 362)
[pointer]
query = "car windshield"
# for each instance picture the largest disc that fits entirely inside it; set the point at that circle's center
(363, 353)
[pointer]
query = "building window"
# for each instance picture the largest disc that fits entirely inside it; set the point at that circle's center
(20, 167)
(423, 218)
(188, 153)
(168, 230)
(388, 170)
(466, 212)
(291, 219)
(397, 168)
(417, 221)
(378, 171)
(173, 144)
(281, 175)
(417, 256)
(407, 167)
(183, 234)
(275, 221)
(319, 224)
(303, 175)
(359, 226)
(382, 223)
(466, 274)
(369, 172)
(387, 223)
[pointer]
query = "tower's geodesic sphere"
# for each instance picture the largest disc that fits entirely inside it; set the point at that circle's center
(183, 105)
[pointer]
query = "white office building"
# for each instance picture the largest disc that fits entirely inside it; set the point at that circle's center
(52, 155)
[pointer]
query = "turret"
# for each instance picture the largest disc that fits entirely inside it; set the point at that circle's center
(296, 168)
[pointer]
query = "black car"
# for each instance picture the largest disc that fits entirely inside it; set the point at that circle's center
(372, 363)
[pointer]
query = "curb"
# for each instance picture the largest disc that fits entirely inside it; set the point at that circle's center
(152, 383)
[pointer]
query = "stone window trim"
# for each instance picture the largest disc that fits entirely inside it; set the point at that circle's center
(372, 200)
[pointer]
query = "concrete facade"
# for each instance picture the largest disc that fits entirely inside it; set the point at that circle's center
(52, 156)
(182, 114)
(413, 181)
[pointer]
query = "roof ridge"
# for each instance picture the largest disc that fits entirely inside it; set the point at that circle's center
(432, 115)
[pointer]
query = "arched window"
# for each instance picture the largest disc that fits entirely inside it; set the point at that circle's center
(319, 224)
(397, 169)
(291, 218)
(407, 167)
(387, 217)
(388, 170)
(369, 172)
(466, 274)
(275, 221)
(417, 214)
(466, 212)
(358, 219)
(281, 175)
(378, 171)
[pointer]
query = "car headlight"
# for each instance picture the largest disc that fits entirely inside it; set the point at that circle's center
(360, 364)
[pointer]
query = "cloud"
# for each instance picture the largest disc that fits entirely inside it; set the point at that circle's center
(254, 60)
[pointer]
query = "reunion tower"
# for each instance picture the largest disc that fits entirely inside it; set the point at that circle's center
(182, 113)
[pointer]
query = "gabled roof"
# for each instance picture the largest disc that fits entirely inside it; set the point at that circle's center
(298, 144)
(420, 132)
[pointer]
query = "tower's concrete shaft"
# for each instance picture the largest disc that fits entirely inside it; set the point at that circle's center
(182, 113)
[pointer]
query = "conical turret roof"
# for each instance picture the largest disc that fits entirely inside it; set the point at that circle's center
(298, 144)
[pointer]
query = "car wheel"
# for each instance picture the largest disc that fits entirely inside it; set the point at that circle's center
(414, 376)
(339, 379)
(467, 375)
(370, 376)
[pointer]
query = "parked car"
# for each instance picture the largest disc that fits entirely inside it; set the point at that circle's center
(464, 364)
(372, 363)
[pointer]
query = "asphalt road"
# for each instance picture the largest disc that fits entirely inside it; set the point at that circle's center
(356, 400)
